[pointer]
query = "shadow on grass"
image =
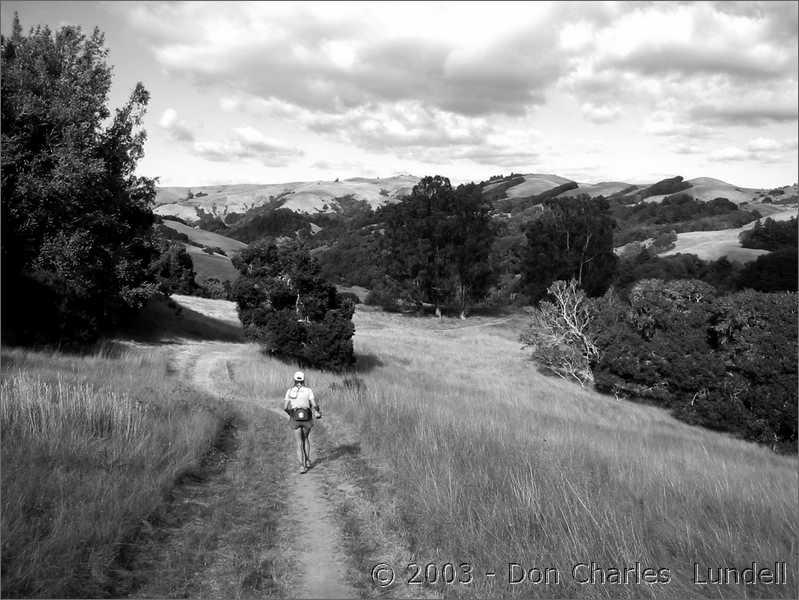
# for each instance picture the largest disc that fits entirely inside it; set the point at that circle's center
(344, 450)
(163, 321)
(367, 362)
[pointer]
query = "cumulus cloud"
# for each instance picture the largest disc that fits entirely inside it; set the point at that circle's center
(247, 143)
(177, 129)
(672, 124)
(434, 82)
(293, 54)
(764, 150)
(600, 113)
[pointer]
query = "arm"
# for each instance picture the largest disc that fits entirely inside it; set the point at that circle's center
(286, 402)
(314, 404)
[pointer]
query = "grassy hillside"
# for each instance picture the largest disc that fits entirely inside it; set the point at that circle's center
(488, 461)
(305, 197)
(712, 245)
(208, 266)
(207, 238)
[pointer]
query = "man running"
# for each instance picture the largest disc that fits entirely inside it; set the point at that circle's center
(298, 405)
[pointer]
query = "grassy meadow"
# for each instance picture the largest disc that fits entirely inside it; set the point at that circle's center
(492, 462)
(479, 457)
(90, 446)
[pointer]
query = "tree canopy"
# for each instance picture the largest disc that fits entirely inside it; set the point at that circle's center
(437, 243)
(286, 306)
(75, 217)
(571, 239)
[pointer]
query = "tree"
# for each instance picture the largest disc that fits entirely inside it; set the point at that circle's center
(174, 270)
(572, 239)
(437, 243)
(560, 333)
(286, 306)
(76, 221)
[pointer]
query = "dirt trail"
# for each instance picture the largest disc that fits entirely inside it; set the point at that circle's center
(253, 526)
(307, 524)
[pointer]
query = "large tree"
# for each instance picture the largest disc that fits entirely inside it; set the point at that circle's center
(571, 239)
(75, 218)
(286, 306)
(437, 243)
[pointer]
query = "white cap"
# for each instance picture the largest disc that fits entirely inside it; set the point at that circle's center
(299, 376)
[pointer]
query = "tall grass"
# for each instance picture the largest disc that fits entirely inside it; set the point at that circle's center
(90, 445)
(494, 463)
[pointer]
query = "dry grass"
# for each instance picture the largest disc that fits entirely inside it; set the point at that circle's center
(90, 445)
(208, 238)
(492, 463)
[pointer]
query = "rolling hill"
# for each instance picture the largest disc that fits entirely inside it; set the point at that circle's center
(308, 197)
(712, 245)
(286, 208)
(207, 238)
(209, 266)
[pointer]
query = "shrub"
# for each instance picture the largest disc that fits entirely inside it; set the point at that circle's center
(771, 235)
(772, 272)
(392, 296)
(663, 352)
(174, 270)
(350, 296)
(290, 310)
(214, 250)
(214, 288)
(726, 363)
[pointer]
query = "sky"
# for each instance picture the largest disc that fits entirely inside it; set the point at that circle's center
(256, 92)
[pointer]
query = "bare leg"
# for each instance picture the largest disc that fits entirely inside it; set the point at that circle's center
(307, 447)
(300, 449)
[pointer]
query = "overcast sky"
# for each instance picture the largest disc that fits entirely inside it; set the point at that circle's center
(271, 92)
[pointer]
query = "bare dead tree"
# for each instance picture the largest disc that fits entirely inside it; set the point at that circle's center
(559, 333)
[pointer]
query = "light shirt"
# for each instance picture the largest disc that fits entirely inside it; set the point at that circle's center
(300, 398)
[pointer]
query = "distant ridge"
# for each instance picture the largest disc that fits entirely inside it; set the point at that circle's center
(314, 197)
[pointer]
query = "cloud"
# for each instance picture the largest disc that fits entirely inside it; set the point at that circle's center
(441, 82)
(600, 113)
(302, 55)
(763, 150)
(247, 143)
(177, 129)
(403, 125)
(745, 113)
(673, 124)
(709, 65)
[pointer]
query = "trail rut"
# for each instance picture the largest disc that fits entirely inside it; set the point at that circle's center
(307, 525)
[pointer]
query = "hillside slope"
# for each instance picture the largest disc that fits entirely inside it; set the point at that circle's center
(712, 245)
(303, 197)
(207, 238)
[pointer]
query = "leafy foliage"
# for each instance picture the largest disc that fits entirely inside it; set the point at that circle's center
(771, 235)
(289, 309)
(173, 269)
(437, 243)
(572, 239)
(76, 221)
(724, 362)
(773, 272)
(721, 273)
(677, 213)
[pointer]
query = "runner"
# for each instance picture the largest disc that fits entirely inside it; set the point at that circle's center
(299, 403)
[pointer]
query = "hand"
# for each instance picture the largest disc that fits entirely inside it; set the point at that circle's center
(317, 414)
